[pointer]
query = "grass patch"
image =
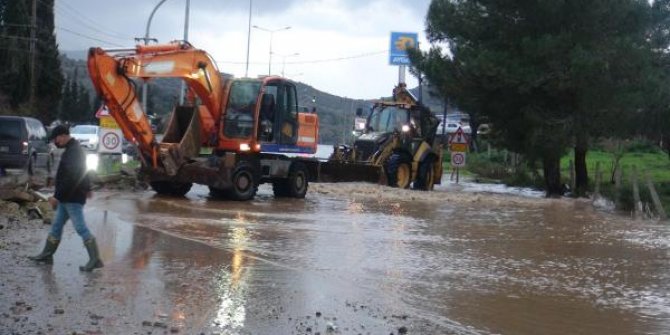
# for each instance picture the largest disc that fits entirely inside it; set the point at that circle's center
(647, 159)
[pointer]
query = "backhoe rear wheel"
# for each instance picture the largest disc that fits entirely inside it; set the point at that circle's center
(295, 186)
(399, 171)
(171, 188)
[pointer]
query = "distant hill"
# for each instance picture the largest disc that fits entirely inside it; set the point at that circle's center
(75, 54)
(336, 114)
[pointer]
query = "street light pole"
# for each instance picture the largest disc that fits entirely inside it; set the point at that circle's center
(246, 70)
(186, 19)
(146, 41)
(283, 63)
(271, 36)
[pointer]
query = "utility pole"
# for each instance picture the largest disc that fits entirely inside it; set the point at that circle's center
(146, 39)
(183, 85)
(246, 70)
(33, 54)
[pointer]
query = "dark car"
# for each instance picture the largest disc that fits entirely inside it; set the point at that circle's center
(23, 144)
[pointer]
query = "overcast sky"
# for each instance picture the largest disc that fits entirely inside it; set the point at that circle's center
(343, 45)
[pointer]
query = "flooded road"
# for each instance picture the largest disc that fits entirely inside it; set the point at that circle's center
(355, 258)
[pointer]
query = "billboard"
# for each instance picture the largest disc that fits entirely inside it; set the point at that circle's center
(400, 42)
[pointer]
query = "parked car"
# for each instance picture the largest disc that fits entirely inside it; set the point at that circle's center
(484, 129)
(87, 135)
(24, 144)
(452, 127)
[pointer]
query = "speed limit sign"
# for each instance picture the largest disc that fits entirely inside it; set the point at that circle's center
(110, 140)
(458, 159)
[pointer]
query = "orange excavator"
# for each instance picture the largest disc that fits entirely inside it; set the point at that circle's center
(249, 129)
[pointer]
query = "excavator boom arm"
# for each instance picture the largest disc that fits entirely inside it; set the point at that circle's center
(111, 72)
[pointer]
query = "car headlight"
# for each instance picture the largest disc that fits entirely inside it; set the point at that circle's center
(92, 162)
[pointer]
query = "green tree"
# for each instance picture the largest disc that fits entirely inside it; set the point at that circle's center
(49, 75)
(653, 121)
(15, 55)
(68, 103)
(547, 74)
(14, 52)
(84, 109)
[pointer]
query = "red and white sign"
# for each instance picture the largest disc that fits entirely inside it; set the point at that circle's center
(458, 159)
(459, 137)
(102, 111)
(110, 141)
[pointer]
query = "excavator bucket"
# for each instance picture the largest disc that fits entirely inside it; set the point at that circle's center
(338, 171)
(181, 142)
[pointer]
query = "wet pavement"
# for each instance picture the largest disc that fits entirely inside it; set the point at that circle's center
(351, 258)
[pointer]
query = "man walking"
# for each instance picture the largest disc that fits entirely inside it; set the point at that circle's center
(72, 189)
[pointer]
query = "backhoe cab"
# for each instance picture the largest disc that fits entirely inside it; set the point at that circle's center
(246, 125)
(399, 142)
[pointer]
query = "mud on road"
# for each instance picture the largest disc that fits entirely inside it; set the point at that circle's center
(351, 258)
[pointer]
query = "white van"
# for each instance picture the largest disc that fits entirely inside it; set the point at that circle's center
(87, 135)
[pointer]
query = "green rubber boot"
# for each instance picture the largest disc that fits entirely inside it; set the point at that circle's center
(94, 261)
(49, 249)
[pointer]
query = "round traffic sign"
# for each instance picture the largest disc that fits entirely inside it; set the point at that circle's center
(458, 159)
(111, 141)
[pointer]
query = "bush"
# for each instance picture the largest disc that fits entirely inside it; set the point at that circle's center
(523, 177)
(482, 166)
(642, 146)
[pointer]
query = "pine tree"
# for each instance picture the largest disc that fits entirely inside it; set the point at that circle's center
(14, 52)
(49, 75)
(547, 74)
(84, 109)
(67, 103)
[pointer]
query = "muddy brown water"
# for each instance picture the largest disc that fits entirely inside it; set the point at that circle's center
(354, 258)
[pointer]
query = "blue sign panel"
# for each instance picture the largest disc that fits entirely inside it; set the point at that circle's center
(400, 42)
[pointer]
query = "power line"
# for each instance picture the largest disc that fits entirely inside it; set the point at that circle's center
(315, 61)
(367, 54)
(89, 26)
(89, 37)
(86, 17)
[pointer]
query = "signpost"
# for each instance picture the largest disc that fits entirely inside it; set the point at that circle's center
(110, 132)
(458, 145)
(110, 138)
(400, 42)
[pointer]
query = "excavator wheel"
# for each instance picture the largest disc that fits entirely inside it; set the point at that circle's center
(399, 171)
(425, 178)
(163, 187)
(217, 192)
(245, 183)
(295, 186)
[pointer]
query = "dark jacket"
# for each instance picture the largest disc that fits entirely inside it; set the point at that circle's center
(72, 181)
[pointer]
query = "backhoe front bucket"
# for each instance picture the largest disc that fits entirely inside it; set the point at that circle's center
(181, 142)
(338, 171)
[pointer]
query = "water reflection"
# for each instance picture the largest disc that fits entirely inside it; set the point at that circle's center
(231, 285)
(444, 263)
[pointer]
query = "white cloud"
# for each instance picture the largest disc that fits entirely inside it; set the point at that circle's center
(353, 35)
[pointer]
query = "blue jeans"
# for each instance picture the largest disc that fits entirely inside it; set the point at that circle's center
(74, 212)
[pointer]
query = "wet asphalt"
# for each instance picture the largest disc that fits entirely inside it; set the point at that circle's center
(351, 258)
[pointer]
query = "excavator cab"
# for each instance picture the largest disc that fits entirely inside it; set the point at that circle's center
(262, 115)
